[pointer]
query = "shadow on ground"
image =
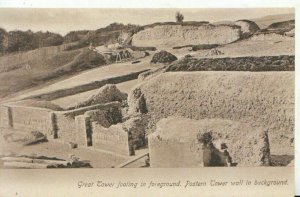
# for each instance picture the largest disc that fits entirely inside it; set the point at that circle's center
(281, 160)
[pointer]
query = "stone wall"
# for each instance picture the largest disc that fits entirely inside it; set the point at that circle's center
(168, 36)
(113, 139)
(175, 143)
(27, 119)
(66, 124)
(262, 99)
(84, 131)
(5, 117)
(97, 125)
(66, 127)
(103, 129)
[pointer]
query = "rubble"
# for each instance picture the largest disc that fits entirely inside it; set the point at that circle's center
(43, 162)
(163, 57)
(107, 93)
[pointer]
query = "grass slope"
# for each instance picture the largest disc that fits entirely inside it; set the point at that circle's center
(15, 76)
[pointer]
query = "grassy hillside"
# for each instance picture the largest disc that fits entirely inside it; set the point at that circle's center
(264, 22)
(16, 40)
(22, 68)
(17, 76)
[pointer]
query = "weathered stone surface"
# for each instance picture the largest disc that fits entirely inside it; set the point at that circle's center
(168, 36)
(137, 102)
(264, 99)
(104, 117)
(5, 117)
(113, 139)
(27, 119)
(66, 126)
(83, 128)
(175, 142)
(136, 127)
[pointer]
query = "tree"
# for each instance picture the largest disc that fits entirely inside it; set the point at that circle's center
(179, 17)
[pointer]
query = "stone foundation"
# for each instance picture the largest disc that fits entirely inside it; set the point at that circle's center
(175, 143)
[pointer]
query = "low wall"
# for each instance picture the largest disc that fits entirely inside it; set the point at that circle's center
(27, 119)
(5, 117)
(80, 126)
(173, 153)
(68, 128)
(113, 139)
(84, 130)
(57, 124)
(85, 87)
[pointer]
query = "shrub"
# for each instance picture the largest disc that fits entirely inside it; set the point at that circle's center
(163, 57)
(179, 17)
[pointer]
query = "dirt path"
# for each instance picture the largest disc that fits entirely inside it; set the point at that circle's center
(58, 149)
(96, 74)
(64, 102)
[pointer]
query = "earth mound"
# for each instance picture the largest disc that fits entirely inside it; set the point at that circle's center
(261, 99)
(247, 27)
(289, 25)
(169, 36)
(163, 57)
(214, 52)
(105, 94)
(253, 64)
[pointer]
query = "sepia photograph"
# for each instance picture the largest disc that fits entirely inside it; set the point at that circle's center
(147, 88)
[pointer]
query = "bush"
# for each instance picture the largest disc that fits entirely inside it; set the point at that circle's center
(163, 57)
(253, 64)
(80, 44)
(179, 17)
(53, 40)
(14, 41)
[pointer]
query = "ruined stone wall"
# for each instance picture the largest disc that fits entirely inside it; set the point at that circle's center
(264, 99)
(66, 124)
(113, 139)
(165, 36)
(175, 143)
(66, 127)
(27, 119)
(5, 117)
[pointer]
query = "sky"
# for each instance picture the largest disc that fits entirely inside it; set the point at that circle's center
(65, 20)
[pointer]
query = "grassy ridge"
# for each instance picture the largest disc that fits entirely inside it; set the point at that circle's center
(36, 72)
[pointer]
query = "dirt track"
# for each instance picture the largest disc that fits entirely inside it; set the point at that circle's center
(96, 74)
